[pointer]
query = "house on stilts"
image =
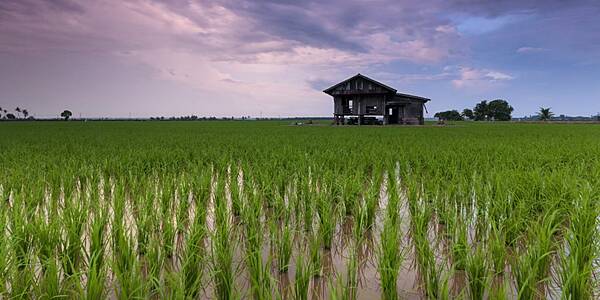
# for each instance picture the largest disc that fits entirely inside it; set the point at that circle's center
(362, 99)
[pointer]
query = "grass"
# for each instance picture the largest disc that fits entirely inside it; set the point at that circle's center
(102, 210)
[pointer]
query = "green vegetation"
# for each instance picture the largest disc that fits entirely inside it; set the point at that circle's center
(242, 209)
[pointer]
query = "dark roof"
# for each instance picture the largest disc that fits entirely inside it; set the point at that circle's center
(413, 97)
(393, 90)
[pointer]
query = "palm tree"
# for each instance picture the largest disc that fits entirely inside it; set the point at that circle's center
(545, 114)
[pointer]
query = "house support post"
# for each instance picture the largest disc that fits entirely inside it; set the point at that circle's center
(385, 115)
(361, 119)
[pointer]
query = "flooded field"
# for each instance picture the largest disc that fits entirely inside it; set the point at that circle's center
(261, 210)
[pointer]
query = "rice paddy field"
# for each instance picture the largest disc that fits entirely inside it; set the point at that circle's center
(265, 210)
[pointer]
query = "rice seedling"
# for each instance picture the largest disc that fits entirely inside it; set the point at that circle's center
(532, 266)
(218, 209)
(283, 245)
(477, 273)
(582, 246)
(351, 288)
(222, 248)
(327, 216)
(96, 272)
(315, 245)
(497, 249)
(194, 257)
(390, 255)
(303, 275)
(390, 259)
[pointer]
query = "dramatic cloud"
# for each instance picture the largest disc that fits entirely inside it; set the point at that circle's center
(276, 56)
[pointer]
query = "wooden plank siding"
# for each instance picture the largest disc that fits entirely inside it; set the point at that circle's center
(362, 96)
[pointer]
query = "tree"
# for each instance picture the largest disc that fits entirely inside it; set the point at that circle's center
(10, 116)
(18, 110)
(450, 115)
(499, 110)
(25, 113)
(468, 113)
(545, 114)
(481, 111)
(66, 114)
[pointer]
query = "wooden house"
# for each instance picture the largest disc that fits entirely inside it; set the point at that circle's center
(361, 96)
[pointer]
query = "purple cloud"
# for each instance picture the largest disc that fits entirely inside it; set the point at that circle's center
(258, 50)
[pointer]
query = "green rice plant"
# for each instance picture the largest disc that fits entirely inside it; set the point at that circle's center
(236, 193)
(96, 271)
(182, 205)
(193, 257)
(497, 249)
(315, 253)
(352, 273)
(337, 290)
(351, 189)
(5, 266)
(499, 290)
(259, 271)
(371, 200)
(420, 218)
(477, 273)
(261, 282)
(154, 264)
(429, 268)
(284, 244)
(222, 248)
(302, 277)
(531, 267)
(111, 213)
(390, 254)
(523, 269)
(306, 197)
(49, 285)
(582, 247)
(460, 245)
(129, 279)
(327, 216)
(168, 229)
(390, 258)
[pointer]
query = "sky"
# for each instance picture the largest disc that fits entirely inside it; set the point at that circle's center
(142, 58)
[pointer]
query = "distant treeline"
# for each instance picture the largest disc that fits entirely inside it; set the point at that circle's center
(500, 110)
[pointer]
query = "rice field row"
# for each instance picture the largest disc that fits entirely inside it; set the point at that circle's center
(262, 210)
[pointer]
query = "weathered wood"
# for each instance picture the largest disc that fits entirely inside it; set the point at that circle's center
(362, 96)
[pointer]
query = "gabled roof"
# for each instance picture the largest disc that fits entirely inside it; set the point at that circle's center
(392, 90)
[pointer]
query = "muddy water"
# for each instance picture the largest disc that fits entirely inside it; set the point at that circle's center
(335, 262)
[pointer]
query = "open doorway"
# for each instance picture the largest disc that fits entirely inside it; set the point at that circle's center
(394, 114)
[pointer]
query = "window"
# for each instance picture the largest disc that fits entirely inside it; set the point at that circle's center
(350, 104)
